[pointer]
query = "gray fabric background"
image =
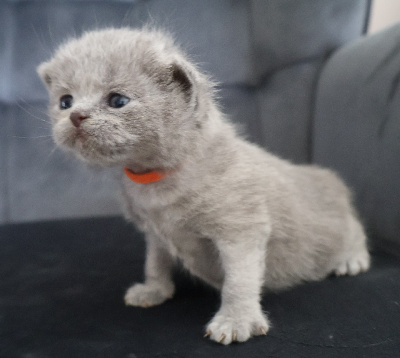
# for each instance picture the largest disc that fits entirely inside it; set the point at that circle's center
(295, 74)
(357, 128)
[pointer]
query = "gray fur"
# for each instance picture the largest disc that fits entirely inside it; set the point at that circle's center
(236, 216)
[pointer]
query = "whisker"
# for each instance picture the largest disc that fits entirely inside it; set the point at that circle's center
(50, 154)
(53, 42)
(32, 115)
(40, 39)
(35, 137)
(32, 106)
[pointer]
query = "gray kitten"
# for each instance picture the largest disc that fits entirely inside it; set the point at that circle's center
(234, 215)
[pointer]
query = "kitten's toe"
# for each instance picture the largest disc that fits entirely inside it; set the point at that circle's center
(147, 295)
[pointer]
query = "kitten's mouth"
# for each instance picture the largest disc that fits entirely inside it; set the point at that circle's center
(91, 147)
(81, 134)
(73, 138)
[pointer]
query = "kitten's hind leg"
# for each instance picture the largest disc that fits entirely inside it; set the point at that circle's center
(158, 286)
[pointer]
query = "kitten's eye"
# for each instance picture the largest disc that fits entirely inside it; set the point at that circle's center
(116, 100)
(66, 101)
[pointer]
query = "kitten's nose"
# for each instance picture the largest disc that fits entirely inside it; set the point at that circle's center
(77, 117)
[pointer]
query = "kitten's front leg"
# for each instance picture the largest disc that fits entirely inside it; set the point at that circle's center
(158, 285)
(240, 315)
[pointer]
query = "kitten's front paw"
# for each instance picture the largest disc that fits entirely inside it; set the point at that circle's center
(226, 329)
(147, 295)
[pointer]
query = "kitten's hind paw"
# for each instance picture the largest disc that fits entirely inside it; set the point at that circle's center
(354, 265)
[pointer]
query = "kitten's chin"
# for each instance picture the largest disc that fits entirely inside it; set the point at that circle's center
(97, 159)
(84, 146)
(99, 162)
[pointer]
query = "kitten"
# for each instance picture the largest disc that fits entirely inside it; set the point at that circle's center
(236, 216)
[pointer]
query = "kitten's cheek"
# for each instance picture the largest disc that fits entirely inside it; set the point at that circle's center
(61, 141)
(57, 136)
(61, 135)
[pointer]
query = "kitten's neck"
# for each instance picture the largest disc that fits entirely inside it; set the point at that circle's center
(145, 178)
(139, 169)
(216, 132)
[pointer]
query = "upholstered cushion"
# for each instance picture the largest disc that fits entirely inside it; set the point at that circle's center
(357, 127)
(266, 55)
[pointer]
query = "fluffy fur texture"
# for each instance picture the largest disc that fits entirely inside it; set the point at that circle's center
(234, 215)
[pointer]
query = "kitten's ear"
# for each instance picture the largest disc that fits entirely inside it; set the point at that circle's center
(181, 77)
(176, 76)
(43, 71)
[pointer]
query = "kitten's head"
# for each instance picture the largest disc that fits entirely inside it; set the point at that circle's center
(125, 97)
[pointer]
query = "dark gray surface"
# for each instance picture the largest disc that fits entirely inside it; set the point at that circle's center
(357, 128)
(266, 55)
(61, 296)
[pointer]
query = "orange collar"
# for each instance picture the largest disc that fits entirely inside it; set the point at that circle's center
(145, 178)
